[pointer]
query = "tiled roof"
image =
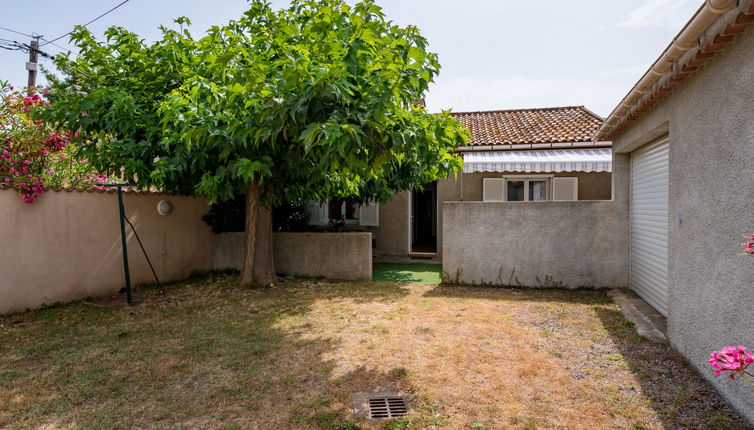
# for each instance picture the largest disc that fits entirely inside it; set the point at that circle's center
(527, 126)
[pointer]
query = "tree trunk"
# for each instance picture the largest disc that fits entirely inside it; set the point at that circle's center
(258, 266)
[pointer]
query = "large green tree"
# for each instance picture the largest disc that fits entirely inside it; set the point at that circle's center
(315, 101)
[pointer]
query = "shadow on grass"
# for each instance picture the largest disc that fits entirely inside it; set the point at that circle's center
(408, 273)
(679, 396)
(672, 385)
(584, 296)
(209, 355)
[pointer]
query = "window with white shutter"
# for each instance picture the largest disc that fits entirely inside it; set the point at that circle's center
(317, 212)
(369, 214)
(492, 189)
(565, 188)
(347, 210)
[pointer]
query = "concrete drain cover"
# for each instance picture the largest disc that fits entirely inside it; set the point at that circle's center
(381, 405)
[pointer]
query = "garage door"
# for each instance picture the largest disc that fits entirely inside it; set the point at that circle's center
(649, 223)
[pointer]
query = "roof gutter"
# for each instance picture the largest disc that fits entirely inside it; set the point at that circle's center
(687, 39)
(524, 146)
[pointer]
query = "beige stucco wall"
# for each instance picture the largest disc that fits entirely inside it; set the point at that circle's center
(391, 236)
(538, 244)
(344, 256)
(67, 245)
(710, 122)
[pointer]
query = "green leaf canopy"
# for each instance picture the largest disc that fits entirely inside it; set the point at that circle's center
(315, 101)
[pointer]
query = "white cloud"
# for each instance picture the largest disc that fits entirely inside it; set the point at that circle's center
(660, 13)
(599, 91)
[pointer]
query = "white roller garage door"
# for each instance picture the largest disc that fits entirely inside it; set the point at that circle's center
(649, 223)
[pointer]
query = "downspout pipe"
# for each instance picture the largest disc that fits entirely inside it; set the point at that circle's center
(687, 39)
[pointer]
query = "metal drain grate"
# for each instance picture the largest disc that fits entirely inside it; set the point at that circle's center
(387, 407)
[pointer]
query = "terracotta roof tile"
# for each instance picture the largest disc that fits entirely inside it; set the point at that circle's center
(522, 126)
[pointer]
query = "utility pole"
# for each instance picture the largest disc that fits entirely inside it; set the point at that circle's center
(32, 65)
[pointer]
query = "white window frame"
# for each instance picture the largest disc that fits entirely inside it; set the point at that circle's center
(325, 215)
(526, 179)
(349, 221)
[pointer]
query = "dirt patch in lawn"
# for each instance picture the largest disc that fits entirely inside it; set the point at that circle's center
(218, 356)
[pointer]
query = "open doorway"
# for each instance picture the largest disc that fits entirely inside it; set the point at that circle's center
(423, 220)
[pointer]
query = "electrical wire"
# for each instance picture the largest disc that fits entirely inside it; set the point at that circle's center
(95, 19)
(55, 44)
(17, 32)
(63, 49)
(11, 45)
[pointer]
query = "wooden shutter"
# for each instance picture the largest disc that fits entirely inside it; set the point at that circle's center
(492, 189)
(369, 214)
(317, 212)
(565, 188)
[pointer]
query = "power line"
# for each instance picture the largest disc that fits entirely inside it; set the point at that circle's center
(17, 32)
(10, 45)
(10, 49)
(95, 19)
(58, 46)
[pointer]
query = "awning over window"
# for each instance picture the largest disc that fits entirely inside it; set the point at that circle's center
(565, 160)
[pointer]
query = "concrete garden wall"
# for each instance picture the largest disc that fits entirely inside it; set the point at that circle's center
(391, 236)
(344, 256)
(565, 244)
(536, 244)
(709, 121)
(67, 245)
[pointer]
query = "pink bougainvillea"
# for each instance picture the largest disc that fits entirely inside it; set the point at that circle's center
(26, 144)
(33, 154)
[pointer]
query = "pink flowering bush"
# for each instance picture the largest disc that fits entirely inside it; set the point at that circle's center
(34, 155)
(733, 360)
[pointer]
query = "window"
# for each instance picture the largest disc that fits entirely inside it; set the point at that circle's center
(529, 188)
(520, 189)
(344, 209)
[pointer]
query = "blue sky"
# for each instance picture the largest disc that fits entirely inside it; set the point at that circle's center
(495, 54)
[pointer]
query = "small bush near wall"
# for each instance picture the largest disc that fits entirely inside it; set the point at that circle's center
(229, 216)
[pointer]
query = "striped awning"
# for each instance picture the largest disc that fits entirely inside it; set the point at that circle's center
(565, 160)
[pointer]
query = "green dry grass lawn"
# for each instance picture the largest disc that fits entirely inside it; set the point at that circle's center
(213, 355)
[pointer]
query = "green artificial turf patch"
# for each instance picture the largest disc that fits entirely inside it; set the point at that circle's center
(408, 273)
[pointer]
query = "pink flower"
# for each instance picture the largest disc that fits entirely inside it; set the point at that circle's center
(733, 359)
(27, 162)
